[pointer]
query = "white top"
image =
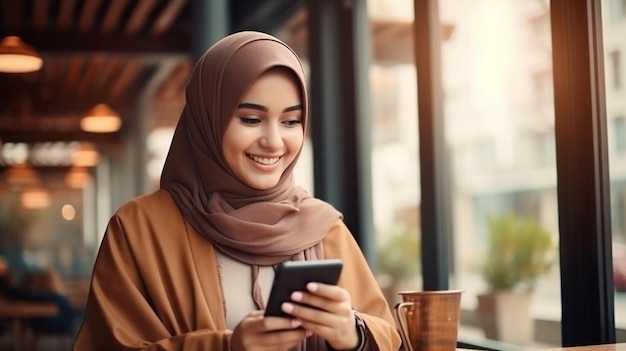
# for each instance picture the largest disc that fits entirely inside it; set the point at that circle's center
(237, 287)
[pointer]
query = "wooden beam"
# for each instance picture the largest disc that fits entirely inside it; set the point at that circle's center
(88, 81)
(78, 107)
(33, 137)
(58, 102)
(57, 43)
(12, 14)
(265, 16)
(66, 15)
(177, 79)
(88, 15)
(55, 67)
(112, 16)
(130, 71)
(40, 15)
(74, 71)
(167, 17)
(111, 71)
(138, 19)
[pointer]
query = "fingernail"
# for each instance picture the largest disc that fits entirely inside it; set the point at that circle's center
(312, 287)
(296, 296)
(287, 307)
(295, 323)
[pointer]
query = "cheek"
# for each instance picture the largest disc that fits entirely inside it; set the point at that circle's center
(233, 148)
(230, 158)
(295, 143)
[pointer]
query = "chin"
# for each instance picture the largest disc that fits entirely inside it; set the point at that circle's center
(264, 185)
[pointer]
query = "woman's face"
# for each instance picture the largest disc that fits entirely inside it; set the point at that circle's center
(265, 133)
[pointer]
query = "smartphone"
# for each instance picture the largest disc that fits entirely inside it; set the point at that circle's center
(294, 275)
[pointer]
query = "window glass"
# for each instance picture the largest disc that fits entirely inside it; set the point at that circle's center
(616, 8)
(499, 121)
(614, 69)
(395, 160)
(619, 135)
(499, 135)
(614, 31)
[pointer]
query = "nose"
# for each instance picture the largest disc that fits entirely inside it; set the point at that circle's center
(272, 137)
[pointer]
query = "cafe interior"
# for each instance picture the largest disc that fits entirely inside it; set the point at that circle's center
(90, 92)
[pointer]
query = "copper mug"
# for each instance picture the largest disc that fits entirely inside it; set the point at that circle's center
(429, 320)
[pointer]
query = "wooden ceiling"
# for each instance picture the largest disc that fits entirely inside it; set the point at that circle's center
(125, 52)
(94, 51)
(118, 52)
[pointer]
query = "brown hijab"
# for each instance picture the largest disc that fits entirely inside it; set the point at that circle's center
(258, 227)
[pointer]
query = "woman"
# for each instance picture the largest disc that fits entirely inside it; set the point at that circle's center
(190, 266)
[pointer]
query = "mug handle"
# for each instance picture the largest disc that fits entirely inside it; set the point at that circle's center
(402, 321)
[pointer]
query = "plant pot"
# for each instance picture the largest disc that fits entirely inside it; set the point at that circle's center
(506, 316)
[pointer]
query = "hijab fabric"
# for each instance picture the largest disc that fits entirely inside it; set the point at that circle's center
(258, 227)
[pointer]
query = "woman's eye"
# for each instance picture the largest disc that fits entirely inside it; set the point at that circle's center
(250, 120)
(292, 122)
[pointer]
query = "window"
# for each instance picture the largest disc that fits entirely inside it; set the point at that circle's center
(615, 70)
(619, 135)
(618, 9)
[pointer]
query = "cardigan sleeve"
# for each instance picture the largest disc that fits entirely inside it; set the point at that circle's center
(125, 311)
(358, 279)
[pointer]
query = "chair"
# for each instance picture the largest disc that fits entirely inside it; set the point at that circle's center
(61, 328)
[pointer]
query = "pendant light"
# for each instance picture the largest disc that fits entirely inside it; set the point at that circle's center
(35, 198)
(78, 177)
(22, 175)
(85, 155)
(18, 57)
(101, 119)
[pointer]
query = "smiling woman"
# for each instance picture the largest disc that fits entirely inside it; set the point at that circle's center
(228, 208)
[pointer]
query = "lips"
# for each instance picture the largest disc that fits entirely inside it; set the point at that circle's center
(267, 161)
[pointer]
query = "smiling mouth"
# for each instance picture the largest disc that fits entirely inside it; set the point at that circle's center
(264, 160)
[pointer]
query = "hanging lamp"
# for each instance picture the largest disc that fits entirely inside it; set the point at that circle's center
(18, 57)
(22, 175)
(78, 177)
(85, 155)
(35, 198)
(101, 119)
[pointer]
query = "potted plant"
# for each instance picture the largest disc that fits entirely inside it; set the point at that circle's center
(519, 251)
(398, 259)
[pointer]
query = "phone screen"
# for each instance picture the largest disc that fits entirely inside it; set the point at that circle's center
(294, 275)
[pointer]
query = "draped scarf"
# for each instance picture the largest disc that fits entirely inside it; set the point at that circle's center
(257, 227)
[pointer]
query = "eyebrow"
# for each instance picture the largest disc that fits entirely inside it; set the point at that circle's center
(264, 109)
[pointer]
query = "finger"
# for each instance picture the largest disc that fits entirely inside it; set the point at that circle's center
(272, 324)
(338, 328)
(258, 313)
(285, 339)
(341, 305)
(332, 292)
(306, 313)
(258, 323)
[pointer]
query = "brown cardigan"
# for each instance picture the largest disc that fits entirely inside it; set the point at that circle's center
(156, 286)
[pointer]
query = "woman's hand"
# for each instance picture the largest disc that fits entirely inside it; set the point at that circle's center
(258, 333)
(331, 318)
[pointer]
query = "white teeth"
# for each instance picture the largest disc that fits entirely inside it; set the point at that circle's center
(264, 160)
